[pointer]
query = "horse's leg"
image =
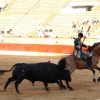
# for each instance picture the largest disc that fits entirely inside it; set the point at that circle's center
(99, 75)
(96, 67)
(94, 78)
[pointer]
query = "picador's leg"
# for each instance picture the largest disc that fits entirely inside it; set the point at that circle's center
(89, 62)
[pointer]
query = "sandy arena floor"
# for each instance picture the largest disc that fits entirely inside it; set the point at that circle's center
(84, 87)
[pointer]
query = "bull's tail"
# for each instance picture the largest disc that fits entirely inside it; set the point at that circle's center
(2, 71)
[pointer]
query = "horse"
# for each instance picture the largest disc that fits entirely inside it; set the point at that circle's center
(71, 62)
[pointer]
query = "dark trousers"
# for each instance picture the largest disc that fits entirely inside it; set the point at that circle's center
(89, 62)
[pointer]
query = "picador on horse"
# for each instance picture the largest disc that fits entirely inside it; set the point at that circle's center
(79, 52)
(82, 59)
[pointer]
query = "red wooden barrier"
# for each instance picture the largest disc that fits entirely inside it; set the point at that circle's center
(66, 49)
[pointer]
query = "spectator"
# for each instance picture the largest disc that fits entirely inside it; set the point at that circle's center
(46, 34)
(51, 34)
(39, 28)
(1, 35)
(85, 21)
(43, 28)
(5, 30)
(77, 23)
(46, 27)
(79, 29)
(96, 20)
(40, 33)
(92, 21)
(73, 25)
(0, 9)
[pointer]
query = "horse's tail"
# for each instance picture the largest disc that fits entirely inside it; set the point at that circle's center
(2, 71)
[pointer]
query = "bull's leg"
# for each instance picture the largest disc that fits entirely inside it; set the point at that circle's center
(62, 85)
(32, 83)
(46, 86)
(17, 82)
(59, 84)
(69, 86)
(11, 79)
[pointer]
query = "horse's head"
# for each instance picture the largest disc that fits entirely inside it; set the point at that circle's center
(95, 45)
(62, 63)
(96, 48)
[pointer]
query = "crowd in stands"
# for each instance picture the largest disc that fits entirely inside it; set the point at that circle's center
(79, 26)
(5, 31)
(91, 21)
(43, 31)
(86, 21)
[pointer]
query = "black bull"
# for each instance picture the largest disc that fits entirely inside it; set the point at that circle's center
(44, 71)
